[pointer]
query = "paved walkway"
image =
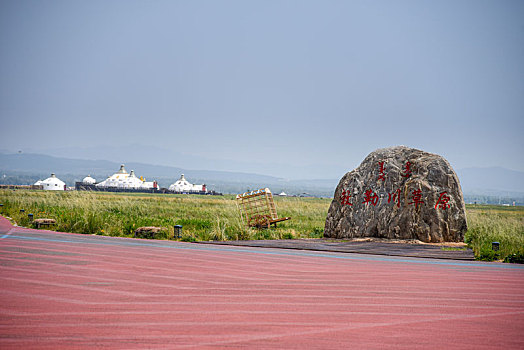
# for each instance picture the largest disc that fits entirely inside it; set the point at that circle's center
(74, 291)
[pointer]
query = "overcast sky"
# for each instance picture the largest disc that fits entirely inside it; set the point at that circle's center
(291, 83)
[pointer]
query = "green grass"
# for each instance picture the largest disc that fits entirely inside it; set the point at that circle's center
(489, 223)
(120, 214)
(216, 218)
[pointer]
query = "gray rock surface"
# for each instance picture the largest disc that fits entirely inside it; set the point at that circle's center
(399, 193)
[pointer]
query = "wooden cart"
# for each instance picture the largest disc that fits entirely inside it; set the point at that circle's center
(257, 209)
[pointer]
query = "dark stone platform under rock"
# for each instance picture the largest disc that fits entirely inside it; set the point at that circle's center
(407, 249)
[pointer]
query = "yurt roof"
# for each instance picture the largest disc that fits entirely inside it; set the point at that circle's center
(53, 180)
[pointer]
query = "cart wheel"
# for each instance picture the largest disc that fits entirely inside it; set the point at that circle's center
(259, 221)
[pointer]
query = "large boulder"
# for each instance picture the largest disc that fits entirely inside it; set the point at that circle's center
(399, 193)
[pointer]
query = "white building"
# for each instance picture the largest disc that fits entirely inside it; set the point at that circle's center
(182, 185)
(88, 180)
(123, 179)
(52, 183)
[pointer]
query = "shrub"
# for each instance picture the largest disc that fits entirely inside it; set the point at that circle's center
(515, 258)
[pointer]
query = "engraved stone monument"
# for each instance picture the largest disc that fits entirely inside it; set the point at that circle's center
(399, 193)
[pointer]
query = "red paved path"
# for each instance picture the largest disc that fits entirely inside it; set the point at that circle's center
(79, 291)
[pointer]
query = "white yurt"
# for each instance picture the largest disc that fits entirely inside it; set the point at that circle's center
(123, 179)
(115, 179)
(131, 181)
(52, 183)
(182, 185)
(88, 180)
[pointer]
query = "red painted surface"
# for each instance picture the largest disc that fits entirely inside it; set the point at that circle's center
(75, 291)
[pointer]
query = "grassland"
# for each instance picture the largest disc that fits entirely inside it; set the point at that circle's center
(216, 217)
(202, 217)
(490, 223)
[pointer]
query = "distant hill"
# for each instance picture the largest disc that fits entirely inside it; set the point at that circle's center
(39, 163)
(480, 185)
(47, 164)
(31, 167)
(492, 185)
(491, 179)
(146, 154)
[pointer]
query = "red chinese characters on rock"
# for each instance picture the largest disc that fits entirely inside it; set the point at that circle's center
(407, 170)
(443, 200)
(370, 197)
(416, 197)
(395, 197)
(381, 174)
(344, 198)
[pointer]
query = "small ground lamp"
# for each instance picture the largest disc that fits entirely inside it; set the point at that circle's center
(178, 231)
(30, 216)
(495, 246)
(22, 210)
